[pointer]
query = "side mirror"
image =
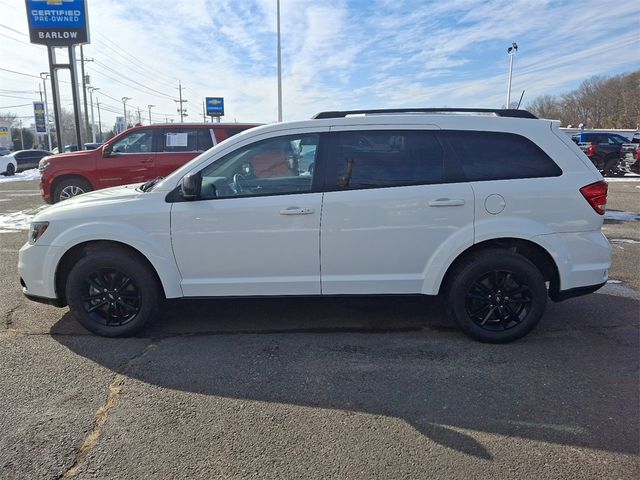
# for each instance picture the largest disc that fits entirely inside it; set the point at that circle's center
(190, 186)
(106, 150)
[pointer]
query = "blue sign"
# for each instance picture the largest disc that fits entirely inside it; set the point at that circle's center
(40, 117)
(215, 106)
(58, 23)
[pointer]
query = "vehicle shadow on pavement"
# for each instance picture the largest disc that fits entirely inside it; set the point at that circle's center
(571, 382)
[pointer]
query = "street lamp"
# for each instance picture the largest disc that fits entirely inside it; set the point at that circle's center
(150, 107)
(511, 51)
(124, 106)
(44, 76)
(279, 66)
(93, 125)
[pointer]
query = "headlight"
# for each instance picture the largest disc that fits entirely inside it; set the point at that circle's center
(43, 165)
(36, 229)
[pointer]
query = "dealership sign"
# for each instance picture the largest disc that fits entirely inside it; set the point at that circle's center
(215, 106)
(39, 116)
(58, 23)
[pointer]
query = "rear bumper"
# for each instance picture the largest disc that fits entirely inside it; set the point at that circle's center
(575, 292)
(583, 260)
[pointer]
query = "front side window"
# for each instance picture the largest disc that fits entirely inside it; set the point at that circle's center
(375, 159)
(270, 167)
(499, 156)
(140, 141)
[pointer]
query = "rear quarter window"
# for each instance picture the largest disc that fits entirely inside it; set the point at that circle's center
(499, 156)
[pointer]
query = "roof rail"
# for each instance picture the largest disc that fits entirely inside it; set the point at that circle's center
(501, 112)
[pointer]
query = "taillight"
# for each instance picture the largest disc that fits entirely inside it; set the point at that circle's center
(591, 151)
(596, 195)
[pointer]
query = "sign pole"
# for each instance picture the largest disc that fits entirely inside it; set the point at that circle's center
(56, 97)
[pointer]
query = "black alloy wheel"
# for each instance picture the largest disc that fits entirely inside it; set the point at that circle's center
(496, 295)
(113, 291)
(110, 297)
(498, 300)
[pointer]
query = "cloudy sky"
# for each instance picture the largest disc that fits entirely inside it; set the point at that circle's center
(338, 54)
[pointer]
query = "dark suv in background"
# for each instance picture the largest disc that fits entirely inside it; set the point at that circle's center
(136, 155)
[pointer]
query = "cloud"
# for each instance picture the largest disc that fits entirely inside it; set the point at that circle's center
(342, 54)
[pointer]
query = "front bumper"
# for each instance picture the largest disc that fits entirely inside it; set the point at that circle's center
(37, 268)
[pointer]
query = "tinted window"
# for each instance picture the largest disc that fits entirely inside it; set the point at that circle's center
(370, 159)
(499, 156)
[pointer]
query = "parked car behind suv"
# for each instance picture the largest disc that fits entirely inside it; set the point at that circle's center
(136, 155)
(494, 210)
(604, 150)
(22, 160)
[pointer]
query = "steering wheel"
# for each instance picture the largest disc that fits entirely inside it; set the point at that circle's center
(239, 184)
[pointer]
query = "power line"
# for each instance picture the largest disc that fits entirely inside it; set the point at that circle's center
(19, 73)
(131, 80)
(137, 60)
(14, 30)
(16, 106)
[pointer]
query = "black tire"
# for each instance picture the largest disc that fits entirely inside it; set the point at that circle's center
(70, 187)
(11, 170)
(112, 292)
(496, 296)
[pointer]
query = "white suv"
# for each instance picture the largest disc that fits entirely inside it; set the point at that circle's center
(494, 209)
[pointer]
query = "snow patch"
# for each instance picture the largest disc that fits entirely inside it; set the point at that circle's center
(620, 216)
(17, 221)
(33, 174)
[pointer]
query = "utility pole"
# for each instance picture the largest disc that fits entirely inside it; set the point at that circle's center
(93, 130)
(511, 51)
(44, 76)
(21, 137)
(84, 91)
(99, 120)
(204, 113)
(279, 68)
(124, 106)
(181, 111)
(139, 117)
(150, 107)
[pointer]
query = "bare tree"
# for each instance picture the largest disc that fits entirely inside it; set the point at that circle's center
(599, 102)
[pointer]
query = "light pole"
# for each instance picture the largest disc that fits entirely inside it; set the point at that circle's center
(93, 125)
(511, 51)
(150, 107)
(124, 106)
(44, 76)
(279, 68)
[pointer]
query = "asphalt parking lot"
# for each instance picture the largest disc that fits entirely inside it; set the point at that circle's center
(321, 388)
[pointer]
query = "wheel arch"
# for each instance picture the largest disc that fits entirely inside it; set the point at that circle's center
(80, 250)
(530, 250)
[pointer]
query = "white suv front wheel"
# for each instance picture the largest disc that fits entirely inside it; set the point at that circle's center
(496, 296)
(112, 292)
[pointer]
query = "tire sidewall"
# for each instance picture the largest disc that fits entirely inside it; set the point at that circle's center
(78, 182)
(475, 269)
(140, 275)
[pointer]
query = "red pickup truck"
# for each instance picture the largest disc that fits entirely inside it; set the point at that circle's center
(136, 155)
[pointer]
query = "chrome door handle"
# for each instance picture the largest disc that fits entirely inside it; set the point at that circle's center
(446, 202)
(296, 211)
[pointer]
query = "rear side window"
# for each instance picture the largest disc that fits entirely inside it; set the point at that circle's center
(180, 140)
(499, 156)
(376, 159)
